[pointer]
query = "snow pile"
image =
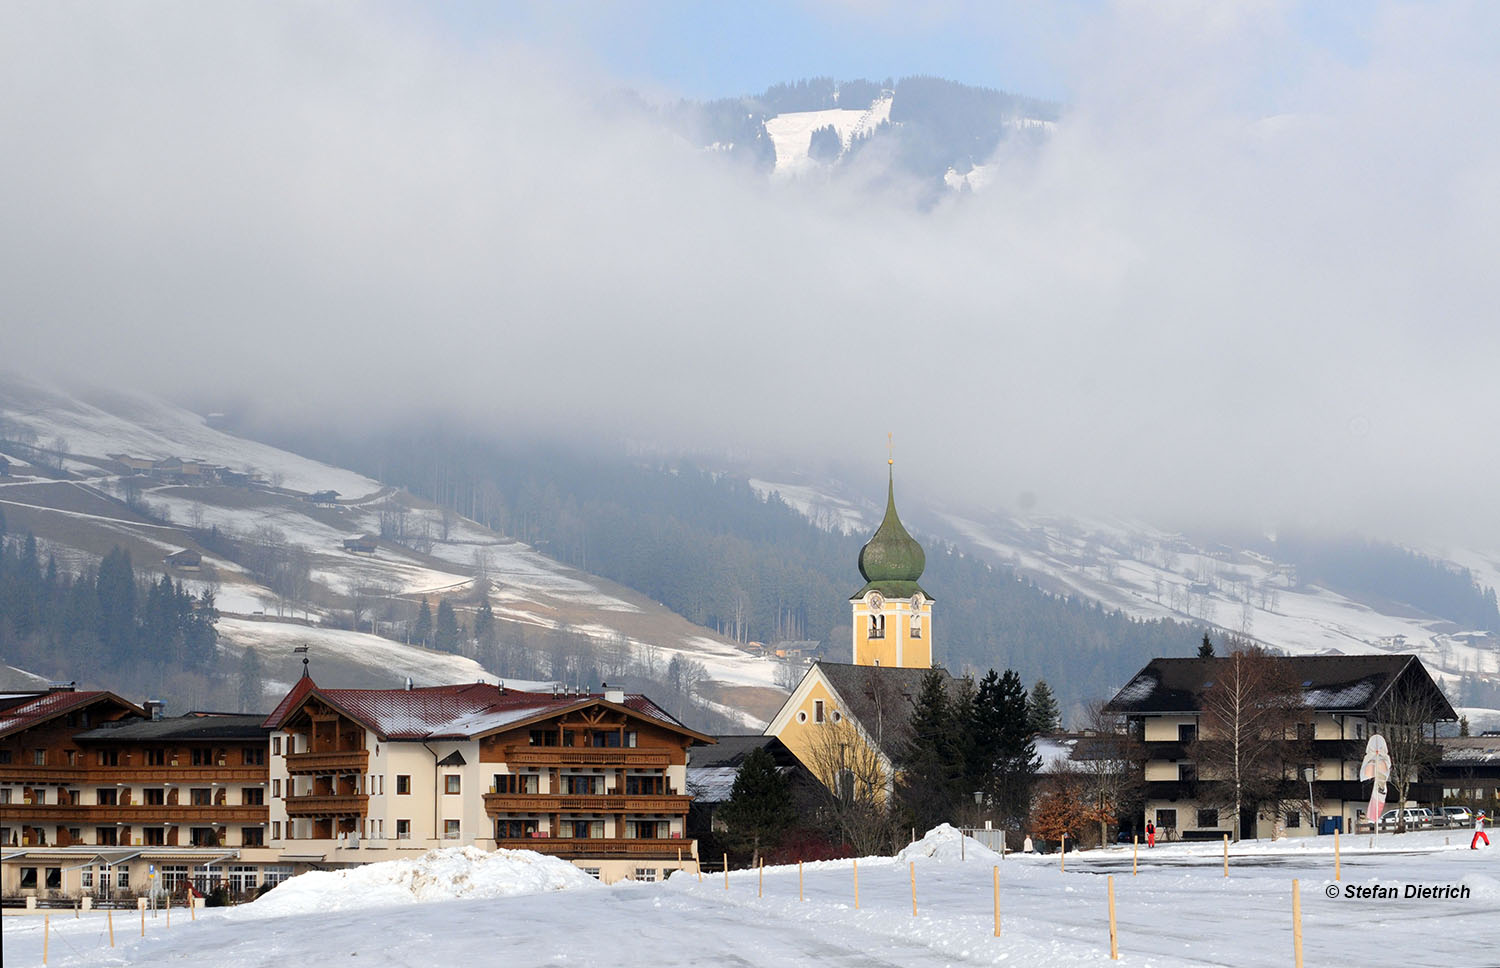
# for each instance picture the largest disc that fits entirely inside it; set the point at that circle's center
(444, 874)
(944, 842)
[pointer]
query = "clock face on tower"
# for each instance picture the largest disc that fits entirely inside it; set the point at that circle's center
(876, 600)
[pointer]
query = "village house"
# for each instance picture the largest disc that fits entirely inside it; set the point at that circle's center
(98, 794)
(599, 779)
(365, 544)
(1346, 697)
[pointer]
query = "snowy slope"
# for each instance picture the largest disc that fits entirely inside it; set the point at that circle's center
(1178, 911)
(791, 133)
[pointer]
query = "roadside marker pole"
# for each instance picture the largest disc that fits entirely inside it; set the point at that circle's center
(1062, 855)
(169, 910)
(913, 865)
(110, 917)
(1336, 871)
(1114, 944)
(856, 883)
(799, 880)
(143, 918)
(997, 900)
(760, 891)
(726, 872)
(46, 935)
(1226, 855)
(1297, 922)
(1135, 853)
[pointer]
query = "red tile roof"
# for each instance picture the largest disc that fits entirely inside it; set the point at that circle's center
(450, 712)
(50, 705)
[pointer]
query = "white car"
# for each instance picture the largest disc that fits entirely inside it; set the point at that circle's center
(1457, 816)
(1414, 819)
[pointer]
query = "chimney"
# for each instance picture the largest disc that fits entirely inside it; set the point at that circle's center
(614, 695)
(62, 686)
(409, 684)
(154, 709)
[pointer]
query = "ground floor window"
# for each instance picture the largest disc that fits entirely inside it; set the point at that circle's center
(242, 879)
(1208, 818)
(403, 829)
(86, 879)
(450, 829)
(592, 872)
(274, 874)
(645, 874)
(172, 877)
(205, 879)
(1166, 818)
(1294, 818)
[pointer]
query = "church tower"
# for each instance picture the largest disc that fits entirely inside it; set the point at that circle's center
(892, 614)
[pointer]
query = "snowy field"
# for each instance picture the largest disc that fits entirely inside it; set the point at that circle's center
(1180, 910)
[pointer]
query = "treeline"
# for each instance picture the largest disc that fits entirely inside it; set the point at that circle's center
(1371, 569)
(125, 632)
(711, 549)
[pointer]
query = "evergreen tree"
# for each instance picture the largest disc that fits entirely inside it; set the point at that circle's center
(446, 636)
(484, 624)
(759, 811)
(117, 608)
(251, 684)
(1206, 648)
(929, 761)
(422, 633)
(1015, 763)
(1041, 709)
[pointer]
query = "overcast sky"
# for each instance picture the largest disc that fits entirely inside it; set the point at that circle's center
(1251, 279)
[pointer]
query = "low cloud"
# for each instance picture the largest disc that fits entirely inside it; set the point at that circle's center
(1244, 283)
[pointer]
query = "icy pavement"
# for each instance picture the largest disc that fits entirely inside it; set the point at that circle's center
(1169, 915)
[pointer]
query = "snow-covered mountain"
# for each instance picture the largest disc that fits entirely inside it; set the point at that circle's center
(78, 480)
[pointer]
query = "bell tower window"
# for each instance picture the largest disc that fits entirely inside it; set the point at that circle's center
(877, 626)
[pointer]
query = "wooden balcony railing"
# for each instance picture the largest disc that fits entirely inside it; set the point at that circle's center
(341, 805)
(497, 803)
(586, 756)
(600, 846)
(349, 761)
(105, 775)
(133, 814)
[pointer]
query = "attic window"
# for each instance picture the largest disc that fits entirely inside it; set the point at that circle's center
(454, 758)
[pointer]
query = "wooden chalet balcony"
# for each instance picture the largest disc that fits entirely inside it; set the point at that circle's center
(600, 846)
(105, 775)
(498, 803)
(586, 756)
(340, 805)
(348, 761)
(133, 814)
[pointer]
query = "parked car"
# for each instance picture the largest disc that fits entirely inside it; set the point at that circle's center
(1458, 816)
(1414, 818)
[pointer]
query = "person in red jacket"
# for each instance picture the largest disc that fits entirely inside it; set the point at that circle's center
(1479, 832)
(1150, 834)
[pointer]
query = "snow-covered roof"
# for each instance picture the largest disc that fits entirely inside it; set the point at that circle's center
(452, 712)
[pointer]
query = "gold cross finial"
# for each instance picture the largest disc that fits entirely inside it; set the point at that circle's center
(890, 448)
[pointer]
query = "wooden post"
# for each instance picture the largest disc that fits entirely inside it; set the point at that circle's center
(143, 919)
(799, 881)
(110, 917)
(961, 839)
(913, 865)
(1114, 942)
(1062, 855)
(169, 909)
(1135, 853)
(1297, 922)
(1337, 873)
(856, 883)
(760, 891)
(726, 872)
(997, 900)
(46, 934)
(679, 858)
(1226, 855)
